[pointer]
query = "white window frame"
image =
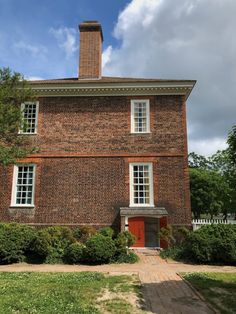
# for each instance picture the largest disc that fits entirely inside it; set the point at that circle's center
(36, 117)
(147, 102)
(131, 181)
(14, 186)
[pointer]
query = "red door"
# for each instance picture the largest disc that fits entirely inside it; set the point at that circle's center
(136, 227)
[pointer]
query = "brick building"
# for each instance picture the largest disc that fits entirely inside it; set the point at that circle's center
(113, 152)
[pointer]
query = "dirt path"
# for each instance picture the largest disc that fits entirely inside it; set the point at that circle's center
(163, 290)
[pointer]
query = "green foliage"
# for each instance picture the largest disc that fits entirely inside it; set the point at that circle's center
(124, 240)
(51, 243)
(232, 145)
(128, 257)
(60, 238)
(74, 253)
(180, 234)
(14, 90)
(208, 191)
(15, 242)
(211, 244)
(100, 249)
(41, 245)
(173, 252)
(87, 232)
(107, 232)
(57, 245)
(222, 166)
(77, 233)
(199, 161)
(232, 171)
(166, 233)
(174, 238)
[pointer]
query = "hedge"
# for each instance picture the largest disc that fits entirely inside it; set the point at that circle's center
(20, 243)
(211, 244)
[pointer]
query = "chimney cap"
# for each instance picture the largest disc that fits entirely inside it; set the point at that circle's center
(91, 26)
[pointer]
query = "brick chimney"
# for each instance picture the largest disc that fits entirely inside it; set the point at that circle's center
(90, 57)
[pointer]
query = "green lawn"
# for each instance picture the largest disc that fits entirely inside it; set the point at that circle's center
(219, 289)
(82, 293)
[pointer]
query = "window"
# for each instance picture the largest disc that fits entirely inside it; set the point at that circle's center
(23, 185)
(141, 184)
(30, 117)
(140, 116)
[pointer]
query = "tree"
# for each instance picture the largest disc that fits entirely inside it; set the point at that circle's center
(199, 161)
(14, 90)
(232, 158)
(223, 165)
(232, 146)
(209, 190)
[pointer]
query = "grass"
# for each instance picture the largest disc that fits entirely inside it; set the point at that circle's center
(219, 289)
(81, 293)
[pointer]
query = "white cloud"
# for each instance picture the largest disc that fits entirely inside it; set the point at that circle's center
(66, 38)
(184, 39)
(34, 78)
(207, 147)
(34, 50)
(106, 56)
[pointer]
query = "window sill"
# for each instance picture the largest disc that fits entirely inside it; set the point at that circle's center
(141, 206)
(27, 133)
(21, 206)
(140, 133)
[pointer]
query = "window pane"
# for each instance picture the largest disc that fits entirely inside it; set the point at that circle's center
(140, 117)
(141, 184)
(30, 117)
(24, 187)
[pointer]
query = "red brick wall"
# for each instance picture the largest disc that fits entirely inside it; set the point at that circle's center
(101, 125)
(90, 190)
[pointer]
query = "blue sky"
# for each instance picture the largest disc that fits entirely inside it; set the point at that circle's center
(27, 43)
(184, 39)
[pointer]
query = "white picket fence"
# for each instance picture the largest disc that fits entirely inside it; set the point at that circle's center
(197, 223)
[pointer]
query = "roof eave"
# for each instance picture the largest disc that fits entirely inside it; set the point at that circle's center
(114, 89)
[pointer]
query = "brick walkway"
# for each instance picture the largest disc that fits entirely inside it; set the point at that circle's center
(163, 290)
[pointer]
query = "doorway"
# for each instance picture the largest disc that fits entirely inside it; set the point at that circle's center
(145, 230)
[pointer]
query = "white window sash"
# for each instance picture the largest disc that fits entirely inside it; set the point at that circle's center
(147, 102)
(131, 182)
(36, 116)
(14, 186)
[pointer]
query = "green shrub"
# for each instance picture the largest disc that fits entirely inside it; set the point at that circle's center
(74, 253)
(180, 234)
(107, 232)
(86, 233)
(123, 241)
(77, 233)
(166, 234)
(211, 244)
(51, 243)
(15, 241)
(100, 249)
(129, 257)
(174, 252)
(41, 245)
